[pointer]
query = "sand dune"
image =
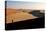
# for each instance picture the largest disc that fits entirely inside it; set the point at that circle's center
(16, 17)
(10, 11)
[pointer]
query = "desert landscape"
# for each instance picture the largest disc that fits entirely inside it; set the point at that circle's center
(24, 15)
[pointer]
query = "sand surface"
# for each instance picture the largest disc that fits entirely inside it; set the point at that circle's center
(16, 17)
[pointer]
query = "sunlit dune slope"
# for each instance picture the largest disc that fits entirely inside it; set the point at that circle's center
(20, 16)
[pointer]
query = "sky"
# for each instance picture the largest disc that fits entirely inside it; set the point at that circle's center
(24, 5)
(29, 0)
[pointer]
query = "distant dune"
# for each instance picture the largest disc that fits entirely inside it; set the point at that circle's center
(20, 16)
(10, 11)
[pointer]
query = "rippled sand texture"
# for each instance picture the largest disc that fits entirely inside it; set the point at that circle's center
(11, 14)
